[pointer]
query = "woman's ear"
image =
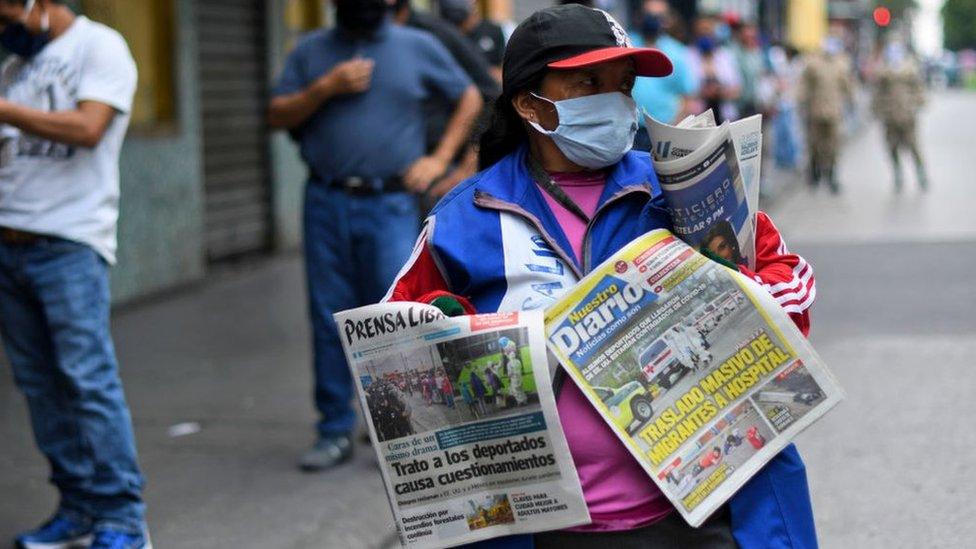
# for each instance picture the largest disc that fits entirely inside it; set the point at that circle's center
(524, 105)
(532, 109)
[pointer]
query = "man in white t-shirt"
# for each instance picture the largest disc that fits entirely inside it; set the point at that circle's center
(65, 95)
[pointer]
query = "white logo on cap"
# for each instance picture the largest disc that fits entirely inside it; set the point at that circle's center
(623, 39)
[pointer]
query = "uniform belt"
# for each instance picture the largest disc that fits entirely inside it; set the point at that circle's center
(17, 237)
(363, 186)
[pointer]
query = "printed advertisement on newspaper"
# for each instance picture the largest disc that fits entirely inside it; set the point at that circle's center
(462, 416)
(695, 367)
(710, 179)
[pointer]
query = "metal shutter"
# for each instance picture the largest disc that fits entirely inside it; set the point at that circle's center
(235, 138)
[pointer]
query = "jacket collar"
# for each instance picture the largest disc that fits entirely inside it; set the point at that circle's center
(510, 182)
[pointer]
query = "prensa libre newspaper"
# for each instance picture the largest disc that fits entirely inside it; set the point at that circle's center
(710, 179)
(694, 366)
(463, 419)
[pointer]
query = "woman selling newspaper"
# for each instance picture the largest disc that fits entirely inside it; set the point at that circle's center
(559, 193)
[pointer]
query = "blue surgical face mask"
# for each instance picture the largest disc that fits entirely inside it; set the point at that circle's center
(595, 131)
(16, 39)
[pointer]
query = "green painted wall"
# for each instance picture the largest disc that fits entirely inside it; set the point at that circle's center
(161, 223)
(287, 169)
(161, 212)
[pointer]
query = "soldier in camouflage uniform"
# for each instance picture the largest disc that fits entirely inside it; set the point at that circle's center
(825, 89)
(898, 97)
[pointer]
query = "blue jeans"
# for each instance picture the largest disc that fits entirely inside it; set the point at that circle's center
(354, 248)
(786, 149)
(54, 316)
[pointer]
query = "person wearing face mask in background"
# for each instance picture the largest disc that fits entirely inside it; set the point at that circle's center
(560, 191)
(899, 95)
(66, 91)
(438, 109)
(826, 89)
(751, 64)
(353, 97)
(667, 99)
(487, 36)
(715, 69)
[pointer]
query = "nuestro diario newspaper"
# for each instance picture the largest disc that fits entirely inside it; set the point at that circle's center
(710, 179)
(463, 419)
(694, 366)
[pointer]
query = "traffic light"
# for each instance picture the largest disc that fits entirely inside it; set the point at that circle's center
(882, 16)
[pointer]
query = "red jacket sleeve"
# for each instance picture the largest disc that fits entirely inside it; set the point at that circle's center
(786, 276)
(421, 279)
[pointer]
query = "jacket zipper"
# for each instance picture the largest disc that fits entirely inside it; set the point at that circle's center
(589, 225)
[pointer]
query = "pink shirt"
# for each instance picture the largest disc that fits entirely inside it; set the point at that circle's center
(618, 492)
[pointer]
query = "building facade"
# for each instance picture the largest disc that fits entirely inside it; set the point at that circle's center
(203, 180)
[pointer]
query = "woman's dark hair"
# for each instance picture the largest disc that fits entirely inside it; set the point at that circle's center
(503, 129)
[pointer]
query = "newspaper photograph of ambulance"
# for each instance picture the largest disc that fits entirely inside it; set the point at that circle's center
(695, 367)
(462, 416)
(710, 177)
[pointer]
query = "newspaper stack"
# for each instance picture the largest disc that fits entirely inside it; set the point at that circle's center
(462, 416)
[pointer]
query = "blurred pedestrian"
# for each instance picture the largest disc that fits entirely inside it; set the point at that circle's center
(899, 94)
(787, 68)
(439, 109)
(352, 96)
(715, 68)
(487, 36)
(718, 78)
(667, 99)
(826, 89)
(66, 92)
(745, 48)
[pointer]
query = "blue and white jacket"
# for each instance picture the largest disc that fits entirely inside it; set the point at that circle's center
(494, 242)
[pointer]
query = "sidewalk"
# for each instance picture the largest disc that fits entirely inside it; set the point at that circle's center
(232, 356)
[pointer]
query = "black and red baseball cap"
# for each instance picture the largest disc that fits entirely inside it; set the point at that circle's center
(571, 37)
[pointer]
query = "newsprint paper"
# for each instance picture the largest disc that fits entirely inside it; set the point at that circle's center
(463, 419)
(695, 367)
(709, 177)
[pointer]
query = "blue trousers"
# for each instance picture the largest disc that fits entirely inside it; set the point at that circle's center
(54, 317)
(786, 148)
(354, 248)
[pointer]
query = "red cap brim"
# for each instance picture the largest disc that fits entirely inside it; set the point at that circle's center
(647, 61)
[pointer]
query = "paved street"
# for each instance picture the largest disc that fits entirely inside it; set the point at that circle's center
(894, 319)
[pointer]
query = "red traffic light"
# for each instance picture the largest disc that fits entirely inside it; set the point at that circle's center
(882, 16)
